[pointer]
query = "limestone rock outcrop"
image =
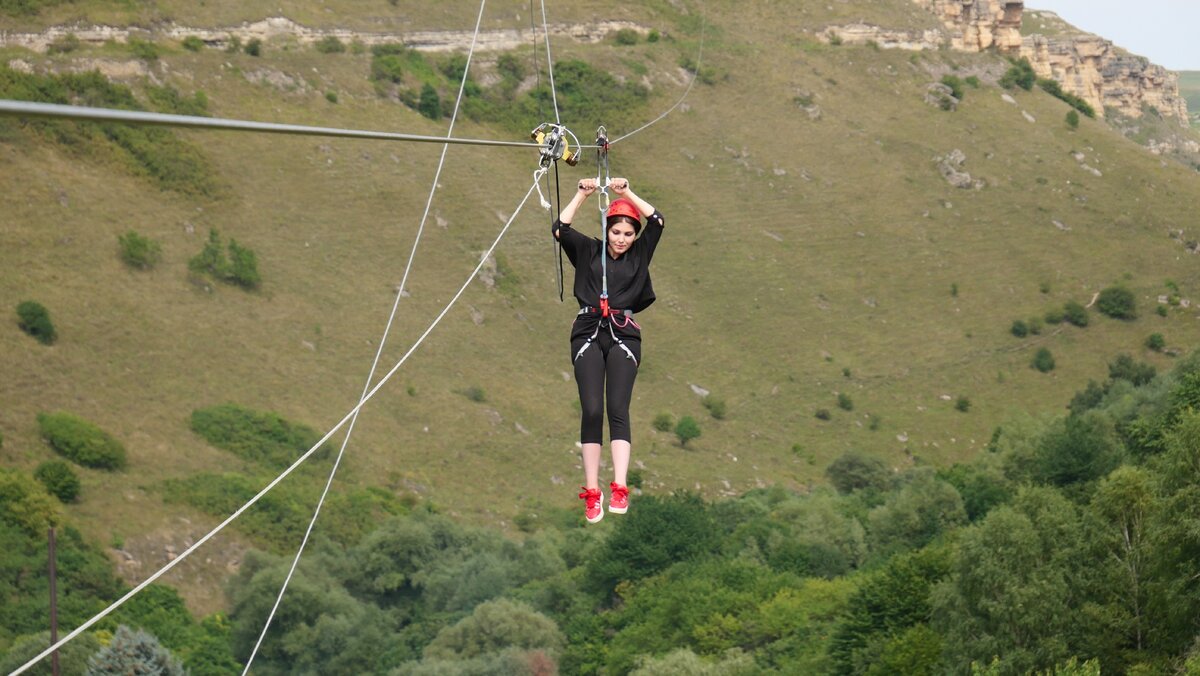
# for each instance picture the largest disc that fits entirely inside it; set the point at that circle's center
(977, 25)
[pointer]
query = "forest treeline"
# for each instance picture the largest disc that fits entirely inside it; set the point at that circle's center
(1070, 546)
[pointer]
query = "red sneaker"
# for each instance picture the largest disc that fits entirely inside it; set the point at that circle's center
(593, 508)
(620, 498)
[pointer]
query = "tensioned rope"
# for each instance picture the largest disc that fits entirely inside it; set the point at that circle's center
(537, 175)
(378, 352)
(550, 64)
(33, 109)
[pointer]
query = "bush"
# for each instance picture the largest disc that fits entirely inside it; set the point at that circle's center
(663, 422)
(146, 51)
(823, 414)
(59, 479)
(254, 47)
(240, 268)
(1035, 326)
(1019, 328)
(1075, 314)
(26, 505)
(1020, 74)
(387, 68)
(1156, 342)
(686, 430)
(962, 404)
(852, 471)
(330, 44)
(627, 36)
(430, 104)
(1125, 368)
(1072, 119)
(64, 45)
(80, 441)
(1161, 310)
(34, 319)
(243, 266)
(134, 652)
(331, 96)
(1055, 316)
(844, 402)
(1078, 104)
(973, 81)
(1043, 361)
(260, 436)
(955, 84)
(1117, 302)
(715, 406)
(654, 35)
(139, 252)
(168, 100)
(193, 43)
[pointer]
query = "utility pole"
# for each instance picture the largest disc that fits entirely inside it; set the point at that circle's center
(53, 605)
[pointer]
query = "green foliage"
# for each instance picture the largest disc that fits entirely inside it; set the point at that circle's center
(147, 151)
(626, 36)
(715, 406)
(1080, 449)
(955, 84)
(330, 44)
(686, 430)
(239, 268)
(1035, 326)
(962, 404)
(982, 487)
(923, 508)
(430, 104)
(80, 441)
(259, 436)
(659, 533)
(144, 50)
(1043, 360)
(204, 647)
(853, 471)
(64, 45)
(654, 35)
(1020, 74)
(25, 504)
(134, 652)
(493, 626)
(823, 414)
(141, 253)
(1087, 398)
(663, 422)
(1124, 367)
(331, 96)
(193, 43)
(1156, 342)
(1075, 314)
(476, 394)
(844, 402)
(254, 47)
(387, 68)
(26, 7)
(72, 657)
(1117, 302)
(1072, 119)
(1053, 88)
(33, 318)
(167, 99)
(1019, 328)
(1055, 316)
(59, 479)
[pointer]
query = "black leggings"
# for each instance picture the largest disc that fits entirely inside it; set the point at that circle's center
(604, 362)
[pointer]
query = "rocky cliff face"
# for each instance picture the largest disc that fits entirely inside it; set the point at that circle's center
(1085, 65)
(976, 25)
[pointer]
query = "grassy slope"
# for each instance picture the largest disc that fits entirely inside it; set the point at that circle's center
(872, 240)
(1189, 86)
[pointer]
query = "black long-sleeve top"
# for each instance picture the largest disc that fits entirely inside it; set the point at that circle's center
(629, 286)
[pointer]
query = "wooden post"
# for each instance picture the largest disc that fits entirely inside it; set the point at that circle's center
(53, 605)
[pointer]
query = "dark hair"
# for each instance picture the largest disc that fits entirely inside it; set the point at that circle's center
(637, 225)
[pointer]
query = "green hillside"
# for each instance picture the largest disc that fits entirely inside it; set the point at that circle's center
(1189, 86)
(804, 259)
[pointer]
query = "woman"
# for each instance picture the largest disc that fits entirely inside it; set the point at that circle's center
(606, 343)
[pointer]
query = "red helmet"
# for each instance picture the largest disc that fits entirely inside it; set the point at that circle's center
(623, 207)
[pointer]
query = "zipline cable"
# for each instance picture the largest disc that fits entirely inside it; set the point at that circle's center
(550, 65)
(537, 176)
(56, 110)
(378, 352)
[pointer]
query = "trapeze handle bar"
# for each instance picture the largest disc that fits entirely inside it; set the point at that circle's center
(55, 110)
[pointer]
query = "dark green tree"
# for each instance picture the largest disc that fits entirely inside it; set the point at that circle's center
(33, 318)
(134, 652)
(59, 479)
(430, 105)
(853, 471)
(1117, 302)
(686, 430)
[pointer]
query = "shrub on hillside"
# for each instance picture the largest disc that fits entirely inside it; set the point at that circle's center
(1055, 316)
(955, 84)
(25, 504)
(1156, 342)
(72, 657)
(167, 99)
(144, 50)
(139, 252)
(1072, 119)
(962, 404)
(243, 266)
(1075, 314)
(64, 45)
(686, 430)
(34, 319)
(715, 406)
(254, 47)
(1043, 360)
(1124, 367)
(134, 652)
(240, 268)
(852, 471)
(430, 105)
(193, 43)
(663, 422)
(1053, 88)
(1019, 328)
(1117, 302)
(330, 44)
(260, 436)
(80, 441)
(844, 402)
(59, 479)
(1020, 74)
(626, 36)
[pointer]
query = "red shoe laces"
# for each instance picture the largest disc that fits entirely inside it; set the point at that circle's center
(592, 495)
(619, 492)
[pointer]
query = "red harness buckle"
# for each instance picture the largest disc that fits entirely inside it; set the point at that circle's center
(604, 307)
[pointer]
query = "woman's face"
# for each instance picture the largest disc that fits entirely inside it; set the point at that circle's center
(620, 237)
